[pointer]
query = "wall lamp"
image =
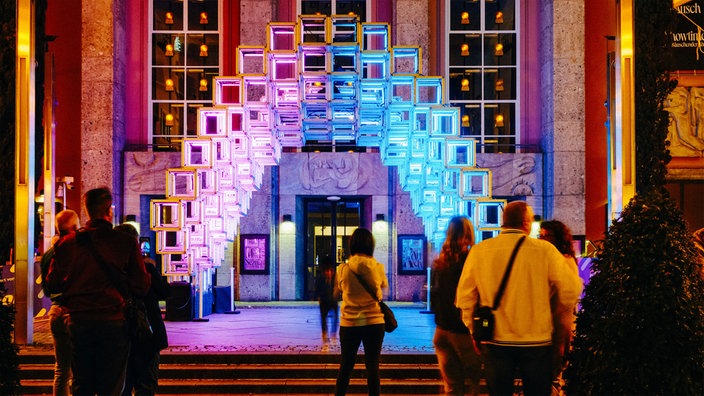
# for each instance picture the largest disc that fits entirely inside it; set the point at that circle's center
(380, 217)
(287, 218)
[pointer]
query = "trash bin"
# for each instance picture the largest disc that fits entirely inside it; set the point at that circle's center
(179, 304)
(222, 298)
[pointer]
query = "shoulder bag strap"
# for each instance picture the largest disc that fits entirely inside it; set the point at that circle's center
(365, 285)
(504, 280)
(120, 286)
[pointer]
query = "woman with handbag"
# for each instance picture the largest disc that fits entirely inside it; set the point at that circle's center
(454, 348)
(361, 318)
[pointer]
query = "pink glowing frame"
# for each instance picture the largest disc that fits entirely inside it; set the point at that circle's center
(324, 79)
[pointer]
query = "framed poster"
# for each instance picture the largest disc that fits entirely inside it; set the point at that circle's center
(411, 254)
(254, 254)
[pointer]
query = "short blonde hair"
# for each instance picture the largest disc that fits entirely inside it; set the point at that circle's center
(66, 221)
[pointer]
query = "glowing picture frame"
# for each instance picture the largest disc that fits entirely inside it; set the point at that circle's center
(475, 183)
(171, 241)
(228, 91)
(196, 153)
(165, 214)
(181, 184)
(176, 265)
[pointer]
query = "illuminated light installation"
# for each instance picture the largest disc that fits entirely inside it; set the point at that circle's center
(320, 79)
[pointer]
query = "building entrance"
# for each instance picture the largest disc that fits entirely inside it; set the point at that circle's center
(329, 223)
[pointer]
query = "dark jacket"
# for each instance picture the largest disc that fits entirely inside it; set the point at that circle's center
(442, 296)
(158, 291)
(88, 292)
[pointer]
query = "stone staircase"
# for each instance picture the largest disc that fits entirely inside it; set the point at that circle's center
(261, 373)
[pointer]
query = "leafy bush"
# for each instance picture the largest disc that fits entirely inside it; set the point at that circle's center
(640, 330)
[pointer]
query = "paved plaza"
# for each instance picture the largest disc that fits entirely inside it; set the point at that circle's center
(285, 327)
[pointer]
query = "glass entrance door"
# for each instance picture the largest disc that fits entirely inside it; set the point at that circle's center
(329, 223)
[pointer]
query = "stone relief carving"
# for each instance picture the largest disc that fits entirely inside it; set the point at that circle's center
(340, 171)
(146, 171)
(686, 130)
(512, 174)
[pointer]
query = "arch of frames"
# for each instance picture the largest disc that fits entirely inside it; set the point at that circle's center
(318, 79)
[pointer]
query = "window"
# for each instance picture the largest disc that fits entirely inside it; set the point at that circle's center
(334, 7)
(482, 77)
(185, 56)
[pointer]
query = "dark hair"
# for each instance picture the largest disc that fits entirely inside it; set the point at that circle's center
(561, 236)
(515, 214)
(362, 242)
(98, 202)
(128, 229)
(460, 228)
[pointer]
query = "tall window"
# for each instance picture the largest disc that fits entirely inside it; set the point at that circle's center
(482, 80)
(185, 56)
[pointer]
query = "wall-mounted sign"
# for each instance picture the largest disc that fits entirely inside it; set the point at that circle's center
(688, 36)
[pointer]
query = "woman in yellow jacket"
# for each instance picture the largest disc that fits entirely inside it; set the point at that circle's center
(361, 319)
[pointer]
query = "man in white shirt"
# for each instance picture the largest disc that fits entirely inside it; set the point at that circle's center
(538, 286)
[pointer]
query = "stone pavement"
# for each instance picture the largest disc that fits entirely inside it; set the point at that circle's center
(278, 327)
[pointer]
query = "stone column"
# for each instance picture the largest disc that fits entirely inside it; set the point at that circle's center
(102, 92)
(562, 79)
(254, 16)
(410, 27)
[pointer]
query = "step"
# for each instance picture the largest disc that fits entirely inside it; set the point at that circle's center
(258, 386)
(312, 374)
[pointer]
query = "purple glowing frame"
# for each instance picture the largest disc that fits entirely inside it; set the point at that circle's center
(330, 79)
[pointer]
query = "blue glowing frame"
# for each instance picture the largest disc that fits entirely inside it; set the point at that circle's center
(321, 79)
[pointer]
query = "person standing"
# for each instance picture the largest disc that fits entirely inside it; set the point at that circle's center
(361, 319)
(558, 234)
(324, 291)
(67, 222)
(95, 306)
(143, 364)
(453, 344)
(538, 286)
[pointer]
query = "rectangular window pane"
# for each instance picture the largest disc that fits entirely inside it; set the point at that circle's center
(471, 120)
(311, 7)
(356, 7)
(167, 83)
(465, 50)
(500, 50)
(499, 119)
(500, 84)
(465, 15)
(500, 15)
(167, 119)
(202, 50)
(168, 49)
(465, 84)
(203, 15)
(168, 15)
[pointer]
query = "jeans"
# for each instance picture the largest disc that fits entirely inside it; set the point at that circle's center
(457, 361)
(532, 364)
(325, 308)
(58, 322)
(100, 356)
(372, 337)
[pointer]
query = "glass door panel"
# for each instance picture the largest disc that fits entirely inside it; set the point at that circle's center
(329, 224)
